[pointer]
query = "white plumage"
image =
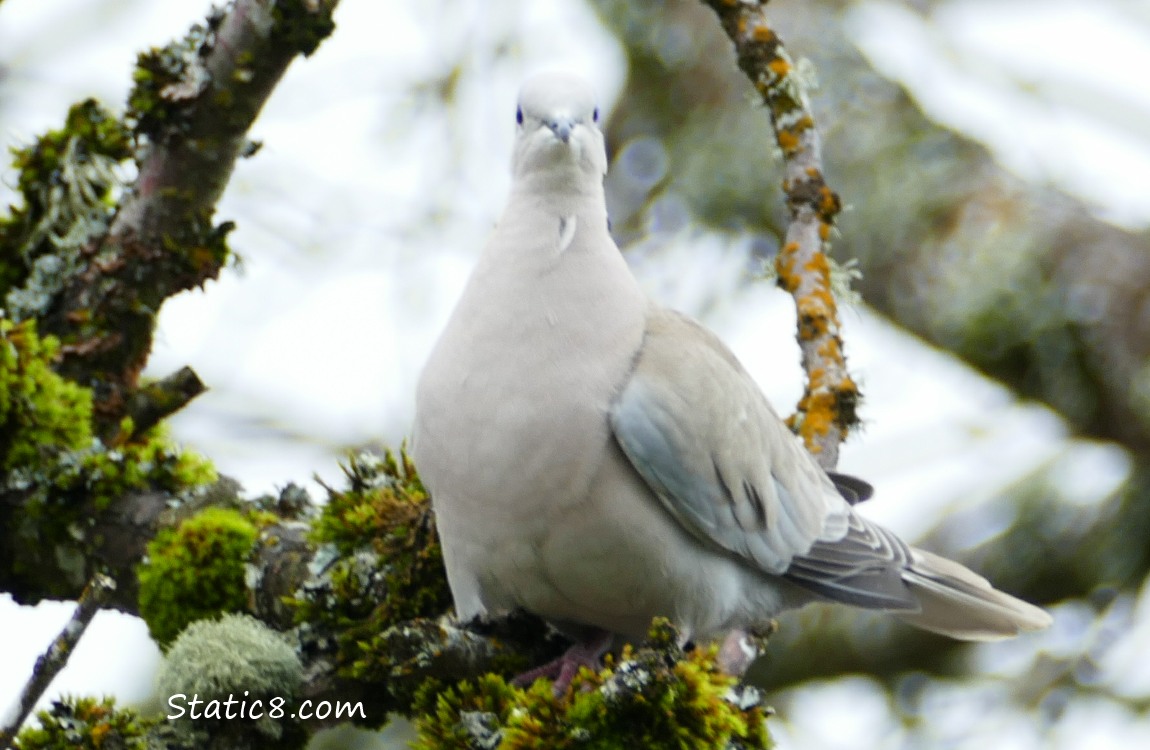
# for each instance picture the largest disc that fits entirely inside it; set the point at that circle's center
(598, 460)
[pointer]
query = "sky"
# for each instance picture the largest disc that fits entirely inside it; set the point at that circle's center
(361, 215)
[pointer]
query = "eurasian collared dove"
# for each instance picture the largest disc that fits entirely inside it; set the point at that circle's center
(599, 460)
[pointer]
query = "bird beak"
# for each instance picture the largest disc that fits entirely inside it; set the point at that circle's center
(562, 128)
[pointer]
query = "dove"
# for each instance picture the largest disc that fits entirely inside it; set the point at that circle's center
(599, 460)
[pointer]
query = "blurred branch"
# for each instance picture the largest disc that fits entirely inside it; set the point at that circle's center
(1024, 283)
(53, 661)
(152, 403)
(827, 409)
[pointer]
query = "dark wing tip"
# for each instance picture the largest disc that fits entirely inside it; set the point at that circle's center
(853, 489)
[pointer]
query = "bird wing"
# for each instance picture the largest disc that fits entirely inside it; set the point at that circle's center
(698, 430)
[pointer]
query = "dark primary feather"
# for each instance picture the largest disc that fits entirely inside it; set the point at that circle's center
(853, 489)
(864, 568)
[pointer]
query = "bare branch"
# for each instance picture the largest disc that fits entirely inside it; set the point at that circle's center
(56, 657)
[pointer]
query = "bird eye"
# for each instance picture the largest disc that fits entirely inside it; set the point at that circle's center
(519, 115)
(595, 115)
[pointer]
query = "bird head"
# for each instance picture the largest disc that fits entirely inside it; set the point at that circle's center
(558, 137)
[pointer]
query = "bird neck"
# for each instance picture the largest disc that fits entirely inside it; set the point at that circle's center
(562, 192)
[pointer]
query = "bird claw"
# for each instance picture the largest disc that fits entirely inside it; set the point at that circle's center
(563, 670)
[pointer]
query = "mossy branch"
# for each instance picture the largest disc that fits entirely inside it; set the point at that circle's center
(826, 411)
(85, 264)
(152, 403)
(188, 115)
(358, 588)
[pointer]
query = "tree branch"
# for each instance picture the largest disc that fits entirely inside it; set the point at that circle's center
(826, 411)
(151, 404)
(53, 661)
(192, 106)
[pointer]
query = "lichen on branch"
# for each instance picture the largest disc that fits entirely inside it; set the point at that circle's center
(826, 411)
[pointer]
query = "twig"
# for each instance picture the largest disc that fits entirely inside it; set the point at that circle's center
(154, 402)
(56, 657)
(827, 409)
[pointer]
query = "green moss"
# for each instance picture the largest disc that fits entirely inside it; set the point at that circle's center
(195, 571)
(97, 476)
(85, 723)
(388, 564)
(41, 413)
(300, 25)
(654, 696)
(49, 455)
(383, 501)
(168, 80)
(382, 565)
(152, 461)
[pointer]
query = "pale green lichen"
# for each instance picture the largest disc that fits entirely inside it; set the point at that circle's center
(68, 180)
(240, 671)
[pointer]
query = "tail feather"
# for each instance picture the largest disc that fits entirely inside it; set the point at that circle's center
(958, 603)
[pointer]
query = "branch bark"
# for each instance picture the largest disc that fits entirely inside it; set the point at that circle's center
(53, 661)
(826, 411)
(193, 104)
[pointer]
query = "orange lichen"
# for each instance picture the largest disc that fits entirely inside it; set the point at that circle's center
(829, 203)
(785, 267)
(820, 416)
(817, 301)
(831, 349)
(818, 265)
(788, 141)
(811, 327)
(779, 67)
(762, 34)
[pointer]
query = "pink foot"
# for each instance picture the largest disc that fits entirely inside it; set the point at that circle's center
(564, 669)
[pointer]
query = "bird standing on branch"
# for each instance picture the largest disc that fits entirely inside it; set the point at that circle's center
(599, 460)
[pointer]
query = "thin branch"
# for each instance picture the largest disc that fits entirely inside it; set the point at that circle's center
(56, 657)
(827, 409)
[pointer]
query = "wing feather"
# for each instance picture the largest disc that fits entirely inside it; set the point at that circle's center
(699, 431)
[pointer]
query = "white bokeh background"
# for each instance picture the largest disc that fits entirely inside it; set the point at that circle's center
(361, 215)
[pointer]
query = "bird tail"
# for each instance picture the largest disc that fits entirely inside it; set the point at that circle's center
(958, 603)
